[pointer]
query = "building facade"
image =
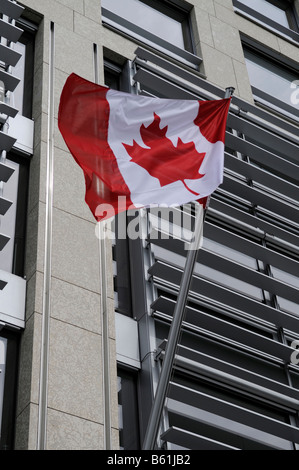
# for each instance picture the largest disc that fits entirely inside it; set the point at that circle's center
(84, 321)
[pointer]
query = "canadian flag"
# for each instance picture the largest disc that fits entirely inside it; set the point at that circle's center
(138, 151)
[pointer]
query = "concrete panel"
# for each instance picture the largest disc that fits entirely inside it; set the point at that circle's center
(218, 68)
(201, 27)
(26, 437)
(111, 332)
(34, 297)
(66, 432)
(92, 10)
(76, 5)
(87, 28)
(53, 11)
(75, 251)
(77, 53)
(226, 3)
(69, 186)
(74, 305)
(226, 39)
(205, 5)
(40, 91)
(37, 177)
(29, 367)
(75, 378)
(35, 240)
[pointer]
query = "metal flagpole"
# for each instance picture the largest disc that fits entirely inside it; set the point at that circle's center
(103, 227)
(175, 328)
(155, 417)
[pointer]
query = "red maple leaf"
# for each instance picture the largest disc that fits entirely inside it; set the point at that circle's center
(163, 160)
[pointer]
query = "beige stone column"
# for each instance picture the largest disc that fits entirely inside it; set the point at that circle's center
(74, 379)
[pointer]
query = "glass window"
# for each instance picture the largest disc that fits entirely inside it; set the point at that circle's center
(8, 379)
(158, 24)
(112, 79)
(117, 75)
(272, 83)
(122, 275)
(148, 18)
(128, 411)
(276, 13)
(269, 9)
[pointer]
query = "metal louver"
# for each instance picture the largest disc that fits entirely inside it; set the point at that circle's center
(233, 385)
(11, 308)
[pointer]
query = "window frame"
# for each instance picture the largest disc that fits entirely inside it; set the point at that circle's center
(179, 14)
(289, 34)
(117, 72)
(180, 11)
(272, 104)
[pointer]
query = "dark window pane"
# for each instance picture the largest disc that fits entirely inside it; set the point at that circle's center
(270, 10)
(128, 411)
(9, 352)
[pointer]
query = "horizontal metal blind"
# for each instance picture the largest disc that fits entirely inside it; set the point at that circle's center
(10, 11)
(234, 385)
(10, 34)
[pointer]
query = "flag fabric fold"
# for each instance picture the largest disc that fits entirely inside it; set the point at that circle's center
(138, 151)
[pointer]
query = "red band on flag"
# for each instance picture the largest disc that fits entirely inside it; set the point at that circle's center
(211, 119)
(83, 120)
